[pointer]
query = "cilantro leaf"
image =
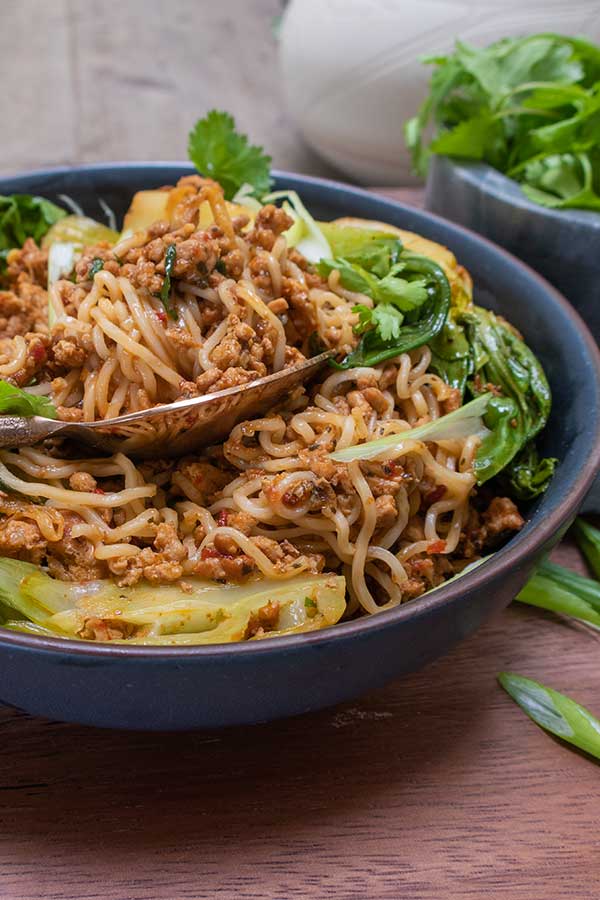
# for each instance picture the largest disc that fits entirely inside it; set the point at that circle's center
(518, 104)
(17, 402)
(562, 181)
(384, 318)
(387, 320)
(220, 152)
(406, 294)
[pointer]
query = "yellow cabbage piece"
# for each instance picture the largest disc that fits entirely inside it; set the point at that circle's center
(208, 613)
(80, 231)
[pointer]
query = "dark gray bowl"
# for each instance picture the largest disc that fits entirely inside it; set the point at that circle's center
(193, 687)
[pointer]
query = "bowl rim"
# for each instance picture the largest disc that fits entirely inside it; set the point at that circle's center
(512, 555)
(498, 185)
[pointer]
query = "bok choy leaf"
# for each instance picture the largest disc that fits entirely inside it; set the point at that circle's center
(305, 234)
(463, 422)
(147, 614)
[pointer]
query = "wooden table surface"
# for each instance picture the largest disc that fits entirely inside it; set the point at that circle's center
(434, 788)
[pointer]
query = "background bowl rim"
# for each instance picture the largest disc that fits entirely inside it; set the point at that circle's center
(513, 554)
(498, 185)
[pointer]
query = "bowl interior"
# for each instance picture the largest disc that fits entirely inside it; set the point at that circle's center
(551, 327)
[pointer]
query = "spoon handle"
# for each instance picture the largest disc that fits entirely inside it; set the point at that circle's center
(22, 431)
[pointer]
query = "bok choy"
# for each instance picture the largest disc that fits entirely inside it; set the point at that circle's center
(463, 422)
(146, 614)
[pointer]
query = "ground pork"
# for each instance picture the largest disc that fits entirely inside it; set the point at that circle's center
(29, 260)
(263, 620)
(23, 309)
(270, 222)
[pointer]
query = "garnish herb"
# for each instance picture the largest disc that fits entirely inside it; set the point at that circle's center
(96, 266)
(23, 216)
(17, 402)
(528, 106)
(220, 152)
(170, 257)
(414, 286)
(554, 712)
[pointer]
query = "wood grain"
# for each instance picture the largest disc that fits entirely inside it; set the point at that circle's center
(435, 787)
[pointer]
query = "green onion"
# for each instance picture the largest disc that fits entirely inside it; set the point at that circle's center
(547, 593)
(96, 266)
(554, 712)
(170, 257)
(588, 539)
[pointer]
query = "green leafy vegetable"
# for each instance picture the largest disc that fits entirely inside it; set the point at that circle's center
(586, 588)
(527, 476)
(588, 539)
(562, 181)
(16, 402)
(521, 410)
(23, 216)
(554, 712)
(392, 288)
(423, 292)
(451, 353)
(528, 106)
(220, 152)
(165, 293)
(463, 422)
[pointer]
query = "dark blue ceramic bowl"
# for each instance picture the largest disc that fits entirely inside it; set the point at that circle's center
(172, 688)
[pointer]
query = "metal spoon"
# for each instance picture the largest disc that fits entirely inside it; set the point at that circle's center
(173, 429)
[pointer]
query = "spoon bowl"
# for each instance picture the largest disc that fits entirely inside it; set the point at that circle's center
(173, 429)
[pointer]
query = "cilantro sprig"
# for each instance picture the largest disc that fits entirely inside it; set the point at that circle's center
(220, 152)
(528, 106)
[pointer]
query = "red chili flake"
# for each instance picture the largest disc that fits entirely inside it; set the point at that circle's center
(222, 517)
(436, 547)
(161, 316)
(210, 553)
(98, 490)
(392, 468)
(38, 352)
